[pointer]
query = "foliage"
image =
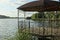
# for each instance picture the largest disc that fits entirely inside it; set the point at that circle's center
(51, 15)
(38, 15)
(28, 17)
(21, 36)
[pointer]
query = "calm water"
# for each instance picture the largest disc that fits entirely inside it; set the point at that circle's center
(8, 28)
(34, 23)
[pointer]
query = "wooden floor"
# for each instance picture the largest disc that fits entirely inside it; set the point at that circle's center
(45, 35)
(46, 31)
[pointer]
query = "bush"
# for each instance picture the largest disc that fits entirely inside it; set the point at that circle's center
(21, 36)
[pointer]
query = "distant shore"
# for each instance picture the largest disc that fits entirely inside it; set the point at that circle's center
(12, 18)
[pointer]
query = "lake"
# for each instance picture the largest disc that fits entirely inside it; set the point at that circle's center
(8, 27)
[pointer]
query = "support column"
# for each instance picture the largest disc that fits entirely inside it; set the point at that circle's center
(24, 26)
(18, 19)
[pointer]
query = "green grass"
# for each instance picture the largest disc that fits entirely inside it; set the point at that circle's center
(21, 36)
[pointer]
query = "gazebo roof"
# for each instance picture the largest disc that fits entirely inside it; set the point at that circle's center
(41, 6)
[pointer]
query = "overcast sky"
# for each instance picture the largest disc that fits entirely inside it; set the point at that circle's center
(9, 7)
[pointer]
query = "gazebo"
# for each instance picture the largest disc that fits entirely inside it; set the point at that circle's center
(44, 6)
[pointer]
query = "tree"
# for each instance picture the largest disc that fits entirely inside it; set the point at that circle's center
(38, 15)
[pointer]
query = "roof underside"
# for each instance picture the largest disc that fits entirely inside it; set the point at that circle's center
(41, 6)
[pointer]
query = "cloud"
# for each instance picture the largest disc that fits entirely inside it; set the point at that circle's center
(20, 2)
(9, 7)
(12, 3)
(55, 0)
(4, 1)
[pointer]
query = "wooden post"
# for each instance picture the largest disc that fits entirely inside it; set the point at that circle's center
(18, 19)
(24, 22)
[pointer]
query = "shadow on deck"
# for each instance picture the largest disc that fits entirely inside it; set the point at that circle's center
(43, 39)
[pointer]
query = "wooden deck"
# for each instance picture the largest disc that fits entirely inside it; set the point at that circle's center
(46, 32)
(46, 35)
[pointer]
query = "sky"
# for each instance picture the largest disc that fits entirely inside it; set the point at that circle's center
(9, 7)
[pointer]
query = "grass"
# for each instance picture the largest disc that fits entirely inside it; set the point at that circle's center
(24, 35)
